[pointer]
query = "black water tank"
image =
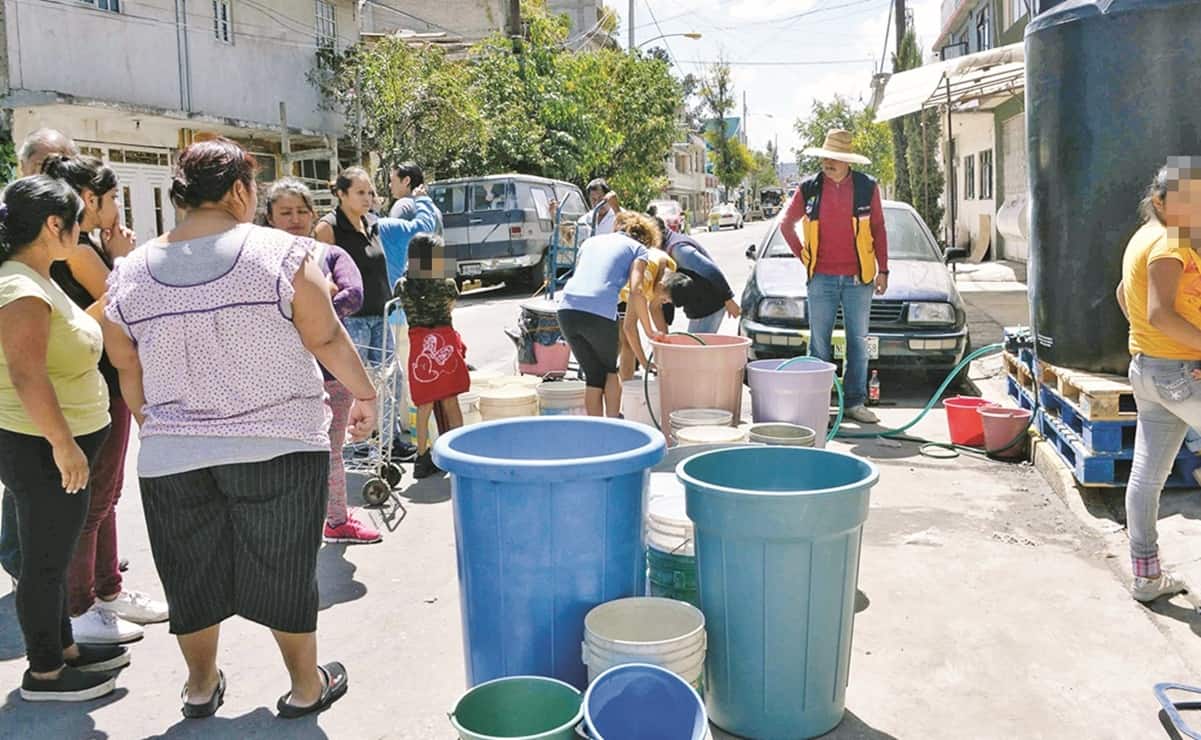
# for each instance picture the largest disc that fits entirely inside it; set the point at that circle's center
(1112, 90)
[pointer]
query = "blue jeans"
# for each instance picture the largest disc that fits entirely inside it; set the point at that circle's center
(707, 324)
(367, 333)
(826, 294)
(10, 542)
(1169, 402)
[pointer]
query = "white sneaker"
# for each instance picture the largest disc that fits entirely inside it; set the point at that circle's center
(136, 607)
(862, 414)
(103, 628)
(1150, 589)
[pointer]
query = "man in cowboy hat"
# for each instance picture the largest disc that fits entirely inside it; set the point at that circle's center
(844, 249)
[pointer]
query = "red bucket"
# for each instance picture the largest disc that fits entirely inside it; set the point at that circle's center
(1001, 427)
(963, 420)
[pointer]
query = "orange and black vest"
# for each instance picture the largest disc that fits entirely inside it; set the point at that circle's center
(865, 252)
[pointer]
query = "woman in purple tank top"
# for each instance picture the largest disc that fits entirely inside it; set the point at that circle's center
(216, 329)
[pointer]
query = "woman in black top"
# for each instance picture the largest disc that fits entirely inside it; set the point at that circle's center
(101, 610)
(353, 227)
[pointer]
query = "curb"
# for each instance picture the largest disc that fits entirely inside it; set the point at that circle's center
(1079, 499)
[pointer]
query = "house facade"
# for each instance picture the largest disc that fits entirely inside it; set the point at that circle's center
(688, 181)
(168, 73)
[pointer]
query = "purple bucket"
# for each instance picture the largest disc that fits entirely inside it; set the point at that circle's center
(798, 394)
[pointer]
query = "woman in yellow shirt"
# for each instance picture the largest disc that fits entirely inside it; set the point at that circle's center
(650, 305)
(53, 420)
(1160, 294)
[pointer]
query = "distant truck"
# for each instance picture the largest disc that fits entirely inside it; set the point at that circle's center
(771, 200)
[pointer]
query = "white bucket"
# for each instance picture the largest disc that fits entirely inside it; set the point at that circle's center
(508, 402)
(706, 435)
(562, 397)
(520, 381)
(668, 528)
(469, 405)
(481, 379)
(700, 417)
(662, 632)
(633, 401)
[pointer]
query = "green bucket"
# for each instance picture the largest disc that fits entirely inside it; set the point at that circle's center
(672, 576)
(519, 708)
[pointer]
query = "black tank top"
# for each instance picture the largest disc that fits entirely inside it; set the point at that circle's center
(60, 272)
(368, 255)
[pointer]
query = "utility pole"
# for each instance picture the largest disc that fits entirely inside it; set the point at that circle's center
(899, 15)
(630, 23)
(514, 18)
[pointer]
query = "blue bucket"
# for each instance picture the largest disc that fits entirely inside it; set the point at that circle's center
(778, 533)
(548, 524)
(643, 702)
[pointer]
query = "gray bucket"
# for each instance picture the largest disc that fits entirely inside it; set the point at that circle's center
(779, 433)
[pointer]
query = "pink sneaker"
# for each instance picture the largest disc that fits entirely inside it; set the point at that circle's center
(351, 532)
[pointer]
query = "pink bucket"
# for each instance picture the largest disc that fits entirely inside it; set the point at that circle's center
(700, 376)
(551, 359)
(1003, 426)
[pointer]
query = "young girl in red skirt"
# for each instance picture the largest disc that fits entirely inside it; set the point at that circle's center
(437, 357)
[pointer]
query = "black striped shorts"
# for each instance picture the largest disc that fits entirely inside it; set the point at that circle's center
(240, 539)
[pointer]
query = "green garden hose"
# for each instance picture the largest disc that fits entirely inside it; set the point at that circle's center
(928, 446)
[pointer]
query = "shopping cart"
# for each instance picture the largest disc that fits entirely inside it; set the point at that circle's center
(373, 457)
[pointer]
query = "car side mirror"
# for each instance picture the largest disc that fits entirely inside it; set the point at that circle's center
(751, 253)
(955, 254)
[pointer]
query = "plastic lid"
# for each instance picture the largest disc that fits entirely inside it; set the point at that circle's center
(562, 388)
(508, 395)
(520, 381)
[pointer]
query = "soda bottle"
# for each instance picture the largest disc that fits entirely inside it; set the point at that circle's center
(873, 389)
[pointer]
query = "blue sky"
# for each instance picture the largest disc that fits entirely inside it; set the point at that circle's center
(848, 32)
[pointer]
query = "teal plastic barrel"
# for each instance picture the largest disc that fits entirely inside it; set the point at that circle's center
(778, 533)
(519, 708)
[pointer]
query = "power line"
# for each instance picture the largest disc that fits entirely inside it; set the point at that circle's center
(790, 19)
(407, 14)
(659, 28)
(815, 62)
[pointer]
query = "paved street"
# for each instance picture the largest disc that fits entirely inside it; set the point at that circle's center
(989, 608)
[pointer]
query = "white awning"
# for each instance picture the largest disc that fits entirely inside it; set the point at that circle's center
(974, 77)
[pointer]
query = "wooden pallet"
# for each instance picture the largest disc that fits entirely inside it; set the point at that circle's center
(1097, 397)
(1019, 372)
(1098, 436)
(1106, 469)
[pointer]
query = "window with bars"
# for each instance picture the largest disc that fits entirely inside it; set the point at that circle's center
(1017, 11)
(984, 28)
(986, 179)
(312, 169)
(327, 25)
(112, 6)
(222, 21)
(127, 206)
(969, 177)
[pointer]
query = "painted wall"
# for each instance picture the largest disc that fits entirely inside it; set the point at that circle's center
(468, 19)
(136, 56)
(973, 134)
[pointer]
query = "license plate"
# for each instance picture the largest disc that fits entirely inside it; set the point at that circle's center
(840, 346)
(472, 270)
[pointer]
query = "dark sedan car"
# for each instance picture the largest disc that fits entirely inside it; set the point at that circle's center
(919, 322)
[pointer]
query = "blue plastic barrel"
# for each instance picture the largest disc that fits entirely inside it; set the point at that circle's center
(548, 524)
(778, 532)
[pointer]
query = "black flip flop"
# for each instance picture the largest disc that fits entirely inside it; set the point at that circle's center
(335, 688)
(208, 708)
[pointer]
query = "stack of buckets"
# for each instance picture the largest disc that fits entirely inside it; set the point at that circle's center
(704, 426)
(670, 553)
(798, 394)
(975, 422)
(705, 372)
(563, 397)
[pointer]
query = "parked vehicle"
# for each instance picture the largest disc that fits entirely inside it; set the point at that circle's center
(498, 227)
(921, 320)
(771, 200)
(670, 211)
(726, 214)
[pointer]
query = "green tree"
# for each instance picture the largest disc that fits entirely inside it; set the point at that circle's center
(908, 57)
(763, 172)
(872, 140)
(731, 160)
(923, 132)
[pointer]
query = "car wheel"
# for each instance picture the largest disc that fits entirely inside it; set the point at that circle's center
(533, 277)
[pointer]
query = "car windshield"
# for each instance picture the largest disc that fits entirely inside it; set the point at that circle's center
(907, 240)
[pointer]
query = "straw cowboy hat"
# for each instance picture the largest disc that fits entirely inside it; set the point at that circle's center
(838, 146)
